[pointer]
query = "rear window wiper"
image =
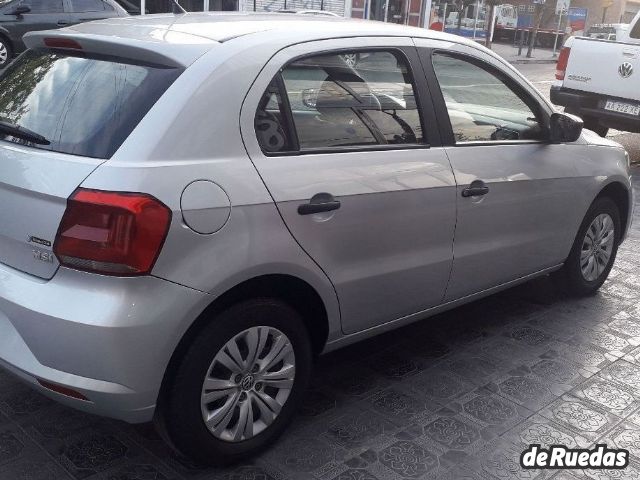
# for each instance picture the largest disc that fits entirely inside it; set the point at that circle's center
(23, 133)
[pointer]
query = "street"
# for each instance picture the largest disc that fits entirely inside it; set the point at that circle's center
(542, 76)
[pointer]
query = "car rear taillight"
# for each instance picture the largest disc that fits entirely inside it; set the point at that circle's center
(112, 233)
(563, 61)
(59, 42)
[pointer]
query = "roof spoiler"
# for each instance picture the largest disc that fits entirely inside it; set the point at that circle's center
(171, 55)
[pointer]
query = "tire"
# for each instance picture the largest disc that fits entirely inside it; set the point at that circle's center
(571, 275)
(6, 52)
(181, 415)
(593, 124)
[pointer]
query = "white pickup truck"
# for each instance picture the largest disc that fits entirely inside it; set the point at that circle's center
(599, 80)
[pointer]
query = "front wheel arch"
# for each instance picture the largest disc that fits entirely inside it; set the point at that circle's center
(619, 194)
(570, 277)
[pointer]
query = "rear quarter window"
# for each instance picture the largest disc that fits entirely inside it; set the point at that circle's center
(82, 105)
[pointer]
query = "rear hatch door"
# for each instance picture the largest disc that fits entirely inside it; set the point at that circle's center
(83, 106)
(34, 187)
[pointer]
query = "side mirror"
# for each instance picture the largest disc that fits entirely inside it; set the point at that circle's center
(20, 10)
(564, 128)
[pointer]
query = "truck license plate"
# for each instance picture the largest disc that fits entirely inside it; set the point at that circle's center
(621, 107)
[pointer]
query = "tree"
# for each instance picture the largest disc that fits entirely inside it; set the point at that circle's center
(22, 81)
(542, 11)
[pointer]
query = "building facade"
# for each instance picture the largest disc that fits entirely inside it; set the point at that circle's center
(463, 17)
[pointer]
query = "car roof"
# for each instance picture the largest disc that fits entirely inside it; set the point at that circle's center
(181, 38)
(224, 26)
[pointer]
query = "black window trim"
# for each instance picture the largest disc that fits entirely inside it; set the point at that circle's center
(421, 93)
(288, 113)
(440, 105)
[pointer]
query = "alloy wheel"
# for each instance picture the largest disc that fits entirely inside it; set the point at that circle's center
(248, 383)
(597, 247)
(351, 59)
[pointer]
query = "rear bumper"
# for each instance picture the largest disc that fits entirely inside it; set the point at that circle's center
(109, 339)
(591, 105)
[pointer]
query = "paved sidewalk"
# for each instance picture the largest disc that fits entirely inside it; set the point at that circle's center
(510, 53)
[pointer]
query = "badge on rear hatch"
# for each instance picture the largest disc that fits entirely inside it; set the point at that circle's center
(39, 241)
(625, 70)
(43, 256)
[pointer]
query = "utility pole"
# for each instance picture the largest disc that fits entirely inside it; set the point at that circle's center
(555, 41)
(490, 20)
(562, 8)
(475, 21)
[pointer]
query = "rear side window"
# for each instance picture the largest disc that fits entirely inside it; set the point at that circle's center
(271, 121)
(82, 106)
(341, 100)
(635, 33)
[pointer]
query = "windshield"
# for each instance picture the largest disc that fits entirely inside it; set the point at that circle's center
(82, 106)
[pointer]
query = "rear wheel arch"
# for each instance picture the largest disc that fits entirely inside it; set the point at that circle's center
(293, 291)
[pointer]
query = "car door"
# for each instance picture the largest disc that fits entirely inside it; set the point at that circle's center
(515, 199)
(88, 10)
(351, 154)
(44, 15)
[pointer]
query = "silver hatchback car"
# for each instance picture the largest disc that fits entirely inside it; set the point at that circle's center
(193, 207)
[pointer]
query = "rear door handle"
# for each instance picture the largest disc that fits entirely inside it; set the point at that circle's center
(63, 23)
(477, 188)
(320, 202)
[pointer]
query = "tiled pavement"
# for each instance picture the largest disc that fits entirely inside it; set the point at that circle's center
(455, 397)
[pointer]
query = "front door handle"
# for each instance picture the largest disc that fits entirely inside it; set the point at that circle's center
(63, 23)
(320, 202)
(477, 188)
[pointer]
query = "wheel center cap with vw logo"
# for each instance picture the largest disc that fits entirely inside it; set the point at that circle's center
(625, 70)
(247, 382)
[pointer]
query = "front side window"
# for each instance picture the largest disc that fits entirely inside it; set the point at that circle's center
(481, 106)
(344, 100)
